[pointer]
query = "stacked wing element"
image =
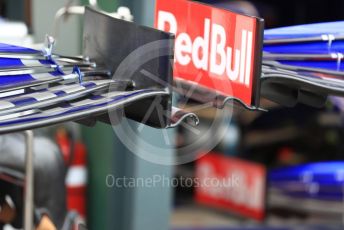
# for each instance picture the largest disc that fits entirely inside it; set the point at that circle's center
(38, 90)
(303, 63)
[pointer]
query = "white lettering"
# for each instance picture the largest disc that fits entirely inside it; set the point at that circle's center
(249, 59)
(210, 51)
(183, 49)
(167, 18)
(233, 74)
(218, 42)
(242, 59)
(201, 46)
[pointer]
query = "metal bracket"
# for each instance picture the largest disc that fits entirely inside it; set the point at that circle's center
(29, 182)
(179, 116)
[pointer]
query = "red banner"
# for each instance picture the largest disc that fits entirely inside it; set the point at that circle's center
(231, 184)
(215, 48)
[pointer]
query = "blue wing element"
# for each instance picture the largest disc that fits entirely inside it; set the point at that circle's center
(306, 47)
(50, 96)
(313, 172)
(21, 72)
(38, 90)
(316, 180)
(306, 31)
(6, 48)
(317, 39)
(76, 110)
(329, 65)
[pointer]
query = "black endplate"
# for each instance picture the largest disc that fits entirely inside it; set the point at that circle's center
(129, 50)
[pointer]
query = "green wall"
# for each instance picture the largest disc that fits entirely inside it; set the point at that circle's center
(107, 5)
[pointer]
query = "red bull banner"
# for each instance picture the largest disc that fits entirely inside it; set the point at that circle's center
(215, 48)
